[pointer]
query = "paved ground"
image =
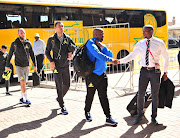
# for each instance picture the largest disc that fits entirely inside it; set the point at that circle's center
(43, 118)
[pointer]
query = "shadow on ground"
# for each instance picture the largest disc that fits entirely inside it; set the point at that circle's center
(77, 131)
(146, 131)
(27, 126)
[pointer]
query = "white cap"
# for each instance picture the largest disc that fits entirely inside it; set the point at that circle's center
(36, 35)
(148, 26)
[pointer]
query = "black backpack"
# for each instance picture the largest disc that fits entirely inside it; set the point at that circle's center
(83, 66)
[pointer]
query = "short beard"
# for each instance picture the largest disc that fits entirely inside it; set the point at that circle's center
(21, 38)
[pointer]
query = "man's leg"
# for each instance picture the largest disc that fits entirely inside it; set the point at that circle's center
(143, 83)
(91, 88)
(7, 83)
(155, 85)
(40, 59)
(66, 80)
(23, 86)
(102, 92)
(58, 82)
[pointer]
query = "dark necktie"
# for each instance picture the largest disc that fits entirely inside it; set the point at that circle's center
(147, 53)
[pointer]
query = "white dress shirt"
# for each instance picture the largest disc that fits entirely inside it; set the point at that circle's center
(39, 47)
(157, 48)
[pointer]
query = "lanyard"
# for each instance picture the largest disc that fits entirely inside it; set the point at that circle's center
(149, 51)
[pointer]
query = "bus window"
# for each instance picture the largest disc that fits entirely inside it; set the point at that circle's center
(111, 16)
(67, 13)
(15, 20)
(93, 17)
(10, 16)
(160, 17)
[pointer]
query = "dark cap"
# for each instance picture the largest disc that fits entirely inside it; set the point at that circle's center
(4, 46)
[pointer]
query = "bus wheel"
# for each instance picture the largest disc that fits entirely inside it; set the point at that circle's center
(121, 54)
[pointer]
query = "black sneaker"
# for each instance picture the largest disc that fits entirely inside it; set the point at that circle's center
(110, 121)
(28, 102)
(138, 119)
(88, 116)
(22, 101)
(64, 111)
(153, 121)
(8, 94)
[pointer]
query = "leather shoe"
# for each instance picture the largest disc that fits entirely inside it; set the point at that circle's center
(153, 121)
(138, 119)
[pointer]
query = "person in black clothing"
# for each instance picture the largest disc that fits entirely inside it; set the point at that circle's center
(22, 48)
(63, 47)
(3, 58)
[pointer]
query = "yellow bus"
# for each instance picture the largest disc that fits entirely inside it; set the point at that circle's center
(36, 16)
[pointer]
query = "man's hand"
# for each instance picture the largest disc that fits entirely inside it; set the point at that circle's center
(52, 65)
(100, 44)
(7, 68)
(70, 56)
(115, 61)
(165, 77)
(35, 69)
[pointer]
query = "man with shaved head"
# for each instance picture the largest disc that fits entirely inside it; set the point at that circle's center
(97, 80)
(21, 48)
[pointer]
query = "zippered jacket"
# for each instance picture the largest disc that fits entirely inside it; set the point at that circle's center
(21, 52)
(60, 50)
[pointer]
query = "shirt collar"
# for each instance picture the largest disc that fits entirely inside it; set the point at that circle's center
(150, 38)
(96, 39)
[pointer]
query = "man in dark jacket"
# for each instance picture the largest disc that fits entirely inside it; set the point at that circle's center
(21, 48)
(3, 58)
(63, 47)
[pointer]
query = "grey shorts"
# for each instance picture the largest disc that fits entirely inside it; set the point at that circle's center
(22, 73)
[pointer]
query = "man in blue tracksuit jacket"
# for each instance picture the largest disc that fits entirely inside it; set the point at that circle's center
(98, 79)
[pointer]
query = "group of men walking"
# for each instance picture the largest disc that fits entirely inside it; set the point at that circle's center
(63, 49)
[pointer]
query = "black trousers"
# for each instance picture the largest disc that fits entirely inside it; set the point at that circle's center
(40, 59)
(62, 80)
(7, 82)
(147, 76)
(99, 83)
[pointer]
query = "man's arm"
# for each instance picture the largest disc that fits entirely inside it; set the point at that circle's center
(131, 56)
(93, 49)
(105, 50)
(44, 46)
(10, 55)
(72, 46)
(48, 50)
(32, 54)
(48, 55)
(165, 56)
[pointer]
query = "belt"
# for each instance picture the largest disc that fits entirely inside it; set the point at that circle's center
(149, 68)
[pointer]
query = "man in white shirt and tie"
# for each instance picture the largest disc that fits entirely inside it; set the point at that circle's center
(150, 49)
(39, 52)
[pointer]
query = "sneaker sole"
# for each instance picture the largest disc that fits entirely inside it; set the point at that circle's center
(88, 120)
(64, 113)
(107, 123)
